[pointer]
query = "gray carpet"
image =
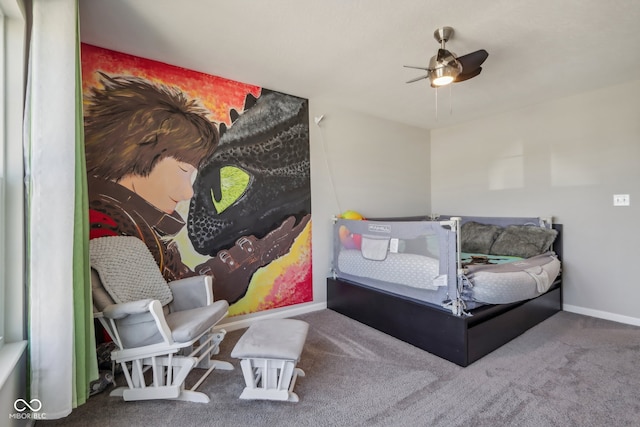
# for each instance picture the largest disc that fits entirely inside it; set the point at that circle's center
(570, 370)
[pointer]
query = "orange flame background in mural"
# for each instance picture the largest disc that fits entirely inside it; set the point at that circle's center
(217, 94)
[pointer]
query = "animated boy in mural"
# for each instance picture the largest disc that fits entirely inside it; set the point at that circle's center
(145, 143)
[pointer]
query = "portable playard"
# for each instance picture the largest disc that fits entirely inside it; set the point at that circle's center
(458, 287)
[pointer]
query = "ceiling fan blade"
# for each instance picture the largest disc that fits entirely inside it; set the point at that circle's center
(466, 76)
(418, 78)
(417, 68)
(473, 60)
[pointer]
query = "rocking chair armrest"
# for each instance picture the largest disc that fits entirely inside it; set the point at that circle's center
(115, 312)
(191, 292)
(122, 310)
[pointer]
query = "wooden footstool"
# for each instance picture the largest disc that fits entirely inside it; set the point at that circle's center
(269, 351)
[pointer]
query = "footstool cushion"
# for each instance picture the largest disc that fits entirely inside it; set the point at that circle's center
(272, 339)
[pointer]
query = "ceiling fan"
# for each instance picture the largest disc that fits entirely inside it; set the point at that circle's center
(445, 67)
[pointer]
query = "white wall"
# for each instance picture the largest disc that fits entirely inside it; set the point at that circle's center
(564, 158)
(376, 167)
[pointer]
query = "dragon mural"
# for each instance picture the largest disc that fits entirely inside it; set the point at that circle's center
(244, 217)
(252, 195)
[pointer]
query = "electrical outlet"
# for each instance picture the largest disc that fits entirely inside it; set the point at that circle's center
(621, 200)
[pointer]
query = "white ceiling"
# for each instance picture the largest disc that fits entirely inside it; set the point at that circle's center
(352, 52)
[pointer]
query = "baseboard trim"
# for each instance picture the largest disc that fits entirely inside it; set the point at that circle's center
(232, 325)
(602, 315)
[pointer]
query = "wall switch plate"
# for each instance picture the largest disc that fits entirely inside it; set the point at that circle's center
(621, 200)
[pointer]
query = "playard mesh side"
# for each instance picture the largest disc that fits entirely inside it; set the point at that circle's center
(416, 259)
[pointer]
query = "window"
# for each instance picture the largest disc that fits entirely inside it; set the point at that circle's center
(2, 161)
(12, 294)
(12, 78)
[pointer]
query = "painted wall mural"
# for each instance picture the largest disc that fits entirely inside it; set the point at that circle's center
(212, 174)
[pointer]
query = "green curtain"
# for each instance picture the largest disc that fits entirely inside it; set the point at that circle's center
(86, 363)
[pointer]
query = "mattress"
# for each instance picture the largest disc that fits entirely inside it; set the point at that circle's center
(407, 275)
(509, 280)
(412, 270)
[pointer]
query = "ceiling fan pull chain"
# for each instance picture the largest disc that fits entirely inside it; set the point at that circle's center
(436, 104)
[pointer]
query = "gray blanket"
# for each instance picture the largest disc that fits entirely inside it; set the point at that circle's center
(127, 269)
(513, 267)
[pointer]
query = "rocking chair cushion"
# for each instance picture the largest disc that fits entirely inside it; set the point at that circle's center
(187, 325)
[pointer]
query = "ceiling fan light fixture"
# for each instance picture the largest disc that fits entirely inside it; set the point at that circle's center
(443, 73)
(446, 67)
(441, 80)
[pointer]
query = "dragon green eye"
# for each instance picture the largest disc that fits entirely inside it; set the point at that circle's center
(233, 184)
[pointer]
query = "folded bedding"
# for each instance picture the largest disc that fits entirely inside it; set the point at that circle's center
(513, 281)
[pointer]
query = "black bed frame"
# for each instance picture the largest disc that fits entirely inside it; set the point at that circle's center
(461, 340)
